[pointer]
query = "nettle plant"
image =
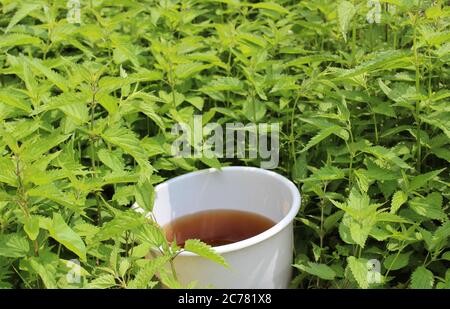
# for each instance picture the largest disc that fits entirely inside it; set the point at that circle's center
(87, 107)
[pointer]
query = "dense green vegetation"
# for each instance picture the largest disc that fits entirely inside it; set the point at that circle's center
(86, 110)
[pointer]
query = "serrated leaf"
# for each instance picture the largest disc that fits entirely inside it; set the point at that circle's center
(271, 6)
(122, 222)
(345, 12)
(44, 273)
(147, 272)
(398, 199)
(211, 162)
(186, 70)
(59, 81)
(62, 233)
(110, 159)
(322, 271)
(13, 245)
(446, 256)
(124, 266)
(127, 140)
(145, 195)
(384, 60)
(420, 180)
(16, 39)
(390, 217)
(224, 84)
(204, 250)
(422, 278)
(8, 171)
(359, 270)
(149, 111)
(72, 105)
(31, 227)
(25, 9)
(38, 146)
(397, 261)
(323, 134)
(430, 206)
(51, 192)
(328, 172)
(102, 282)
(6, 97)
(443, 232)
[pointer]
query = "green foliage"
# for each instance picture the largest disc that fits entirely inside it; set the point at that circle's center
(86, 111)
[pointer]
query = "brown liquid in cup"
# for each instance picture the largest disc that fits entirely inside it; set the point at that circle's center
(217, 227)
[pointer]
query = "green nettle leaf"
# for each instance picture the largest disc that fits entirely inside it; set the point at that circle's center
(110, 159)
(150, 112)
(211, 162)
(62, 233)
(204, 250)
(8, 171)
(186, 70)
(446, 256)
(359, 219)
(224, 84)
(31, 227)
(359, 270)
(322, 271)
(440, 237)
(323, 134)
(6, 97)
(48, 278)
(398, 199)
(271, 6)
(397, 261)
(38, 146)
(122, 222)
(443, 232)
(147, 272)
(359, 231)
(430, 206)
(254, 110)
(345, 12)
(61, 82)
(124, 266)
(145, 195)
(127, 140)
(328, 173)
(22, 12)
(16, 39)
(72, 104)
(13, 245)
(105, 281)
(419, 181)
(53, 193)
(344, 230)
(422, 278)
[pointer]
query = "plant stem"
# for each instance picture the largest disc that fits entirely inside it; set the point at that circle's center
(354, 38)
(23, 199)
(92, 140)
(172, 267)
(417, 111)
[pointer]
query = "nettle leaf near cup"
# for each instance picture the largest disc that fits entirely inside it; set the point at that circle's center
(245, 213)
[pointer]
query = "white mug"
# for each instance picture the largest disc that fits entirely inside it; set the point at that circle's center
(262, 261)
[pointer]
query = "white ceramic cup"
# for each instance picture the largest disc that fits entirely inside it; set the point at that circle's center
(262, 261)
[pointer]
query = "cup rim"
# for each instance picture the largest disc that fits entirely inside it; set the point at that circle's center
(239, 245)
